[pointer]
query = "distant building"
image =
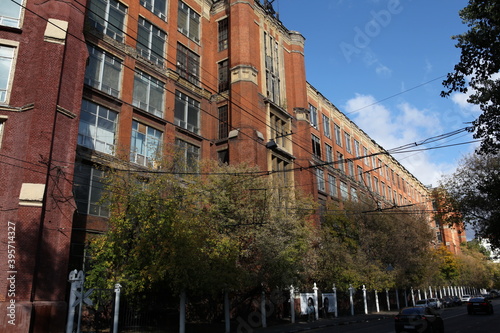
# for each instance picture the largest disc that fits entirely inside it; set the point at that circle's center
(84, 84)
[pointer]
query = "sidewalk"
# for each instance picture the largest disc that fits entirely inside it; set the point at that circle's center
(303, 326)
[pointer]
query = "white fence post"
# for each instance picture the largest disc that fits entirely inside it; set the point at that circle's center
(351, 291)
(335, 300)
(316, 316)
(364, 299)
(117, 307)
(292, 304)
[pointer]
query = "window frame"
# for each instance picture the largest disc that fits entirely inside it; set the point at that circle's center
(151, 5)
(192, 25)
(108, 28)
(338, 135)
(150, 140)
(332, 185)
(188, 64)
(223, 34)
(99, 132)
(326, 126)
(188, 151)
(103, 59)
(87, 193)
(152, 85)
(189, 104)
(316, 146)
(320, 177)
(313, 116)
(5, 92)
(12, 21)
(154, 38)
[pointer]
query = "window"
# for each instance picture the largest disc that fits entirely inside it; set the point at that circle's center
(368, 181)
(326, 126)
(223, 34)
(108, 17)
(316, 146)
(279, 128)
(382, 189)
(356, 148)
(145, 144)
(148, 93)
(375, 185)
(2, 128)
(188, 158)
(188, 64)
(273, 82)
(97, 127)
(340, 161)
(354, 194)
(158, 7)
(188, 22)
(6, 70)
(88, 189)
(223, 129)
(10, 13)
(223, 75)
(223, 156)
(280, 167)
(314, 116)
(329, 153)
(344, 191)
(187, 112)
(332, 185)
(320, 175)
(347, 138)
(351, 167)
(103, 71)
(338, 138)
(150, 42)
(360, 174)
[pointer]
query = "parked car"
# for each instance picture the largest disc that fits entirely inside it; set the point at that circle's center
(465, 298)
(479, 304)
(418, 319)
(456, 300)
(435, 303)
(429, 302)
(447, 302)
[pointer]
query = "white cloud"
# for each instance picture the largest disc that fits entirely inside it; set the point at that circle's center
(395, 128)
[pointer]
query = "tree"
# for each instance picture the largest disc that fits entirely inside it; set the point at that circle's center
(474, 191)
(225, 227)
(358, 244)
(478, 69)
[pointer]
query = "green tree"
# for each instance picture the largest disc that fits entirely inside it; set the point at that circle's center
(226, 227)
(358, 244)
(478, 69)
(475, 191)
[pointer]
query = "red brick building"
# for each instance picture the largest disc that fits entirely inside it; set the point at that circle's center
(126, 80)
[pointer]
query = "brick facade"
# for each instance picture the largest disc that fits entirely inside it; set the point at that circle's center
(240, 77)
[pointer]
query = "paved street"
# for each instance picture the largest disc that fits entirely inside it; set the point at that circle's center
(456, 320)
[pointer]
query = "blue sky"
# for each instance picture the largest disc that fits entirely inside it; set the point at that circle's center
(382, 62)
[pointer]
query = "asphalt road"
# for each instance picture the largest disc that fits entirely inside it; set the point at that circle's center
(456, 320)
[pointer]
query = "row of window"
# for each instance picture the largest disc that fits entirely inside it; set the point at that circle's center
(97, 131)
(108, 17)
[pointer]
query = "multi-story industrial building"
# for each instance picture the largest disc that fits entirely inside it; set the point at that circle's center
(88, 83)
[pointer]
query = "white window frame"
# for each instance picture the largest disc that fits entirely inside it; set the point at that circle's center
(11, 19)
(347, 138)
(332, 185)
(192, 25)
(320, 176)
(326, 126)
(338, 135)
(107, 67)
(157, 7)
(108, 24)
(344, 190)
(152, 38)
(7, 80)
(313, 116)
(187, 109)
(95, 134)
(150, 147)
(328, 153)
(151, 85)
